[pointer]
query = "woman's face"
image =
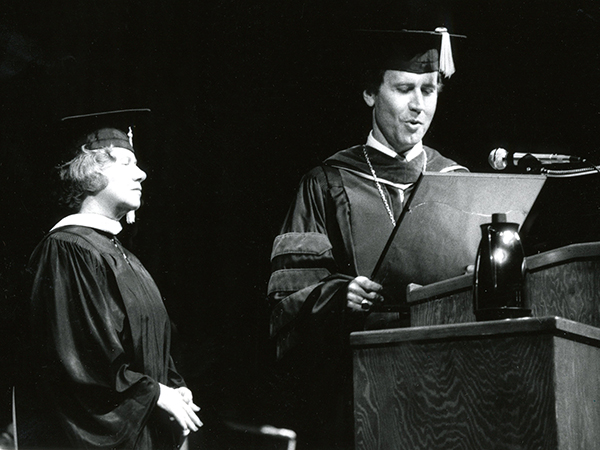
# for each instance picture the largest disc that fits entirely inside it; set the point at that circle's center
(123, 192)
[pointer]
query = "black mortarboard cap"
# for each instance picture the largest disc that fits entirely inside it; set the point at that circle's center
(409, 50)
(102, 129)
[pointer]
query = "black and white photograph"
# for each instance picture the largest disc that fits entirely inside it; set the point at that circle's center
(300, 225)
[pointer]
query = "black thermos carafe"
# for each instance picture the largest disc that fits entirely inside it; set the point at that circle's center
(498, 291)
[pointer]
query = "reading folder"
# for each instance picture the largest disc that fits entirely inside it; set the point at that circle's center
(438, 232)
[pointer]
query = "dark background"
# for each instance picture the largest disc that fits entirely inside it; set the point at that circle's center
(246, 97)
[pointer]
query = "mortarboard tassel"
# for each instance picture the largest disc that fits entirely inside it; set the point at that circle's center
(446, 61)
(130, 135)
(130, 217)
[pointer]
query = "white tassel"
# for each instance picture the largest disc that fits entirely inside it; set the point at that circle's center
(446, 60)
(130, 135)
(130, 217)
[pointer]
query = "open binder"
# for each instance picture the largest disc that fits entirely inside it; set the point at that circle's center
(438, 232)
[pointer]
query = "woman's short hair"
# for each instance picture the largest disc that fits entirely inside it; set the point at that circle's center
(82, 176)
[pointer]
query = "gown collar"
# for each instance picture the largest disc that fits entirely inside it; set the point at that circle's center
(95, 221)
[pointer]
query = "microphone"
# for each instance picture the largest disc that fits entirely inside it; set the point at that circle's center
(500, 159)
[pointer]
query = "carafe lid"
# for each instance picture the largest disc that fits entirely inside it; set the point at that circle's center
(498, 218)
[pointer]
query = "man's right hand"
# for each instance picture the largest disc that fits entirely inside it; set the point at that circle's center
(363, 293)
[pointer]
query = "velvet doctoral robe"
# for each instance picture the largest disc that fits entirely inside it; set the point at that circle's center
(97, 345)
(335, 230)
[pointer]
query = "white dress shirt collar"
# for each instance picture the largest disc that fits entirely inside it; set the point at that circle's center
(408, 156)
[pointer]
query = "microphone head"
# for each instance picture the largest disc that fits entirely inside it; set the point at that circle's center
(498, 159)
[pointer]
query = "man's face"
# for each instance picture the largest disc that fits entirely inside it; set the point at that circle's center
(403, 108)
(123, 192)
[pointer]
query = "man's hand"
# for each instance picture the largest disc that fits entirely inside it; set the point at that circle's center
(362, 293)
(180, 406)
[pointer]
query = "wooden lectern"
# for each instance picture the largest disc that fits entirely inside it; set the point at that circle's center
(448, 382)
(528, 383)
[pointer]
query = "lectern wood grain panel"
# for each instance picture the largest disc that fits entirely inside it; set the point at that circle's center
(514, 384)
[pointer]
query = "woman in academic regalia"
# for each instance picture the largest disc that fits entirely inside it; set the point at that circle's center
(97, 370)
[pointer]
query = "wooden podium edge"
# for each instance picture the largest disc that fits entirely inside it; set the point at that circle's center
(562, 255)
(552, 324)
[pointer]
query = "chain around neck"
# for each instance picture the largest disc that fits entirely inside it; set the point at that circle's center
(379, 188)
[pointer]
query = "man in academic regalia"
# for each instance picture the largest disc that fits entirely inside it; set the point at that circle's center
(336, 228)
(96, 365)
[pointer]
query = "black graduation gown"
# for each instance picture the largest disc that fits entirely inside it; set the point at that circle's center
(98, 344)
(334, 231)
